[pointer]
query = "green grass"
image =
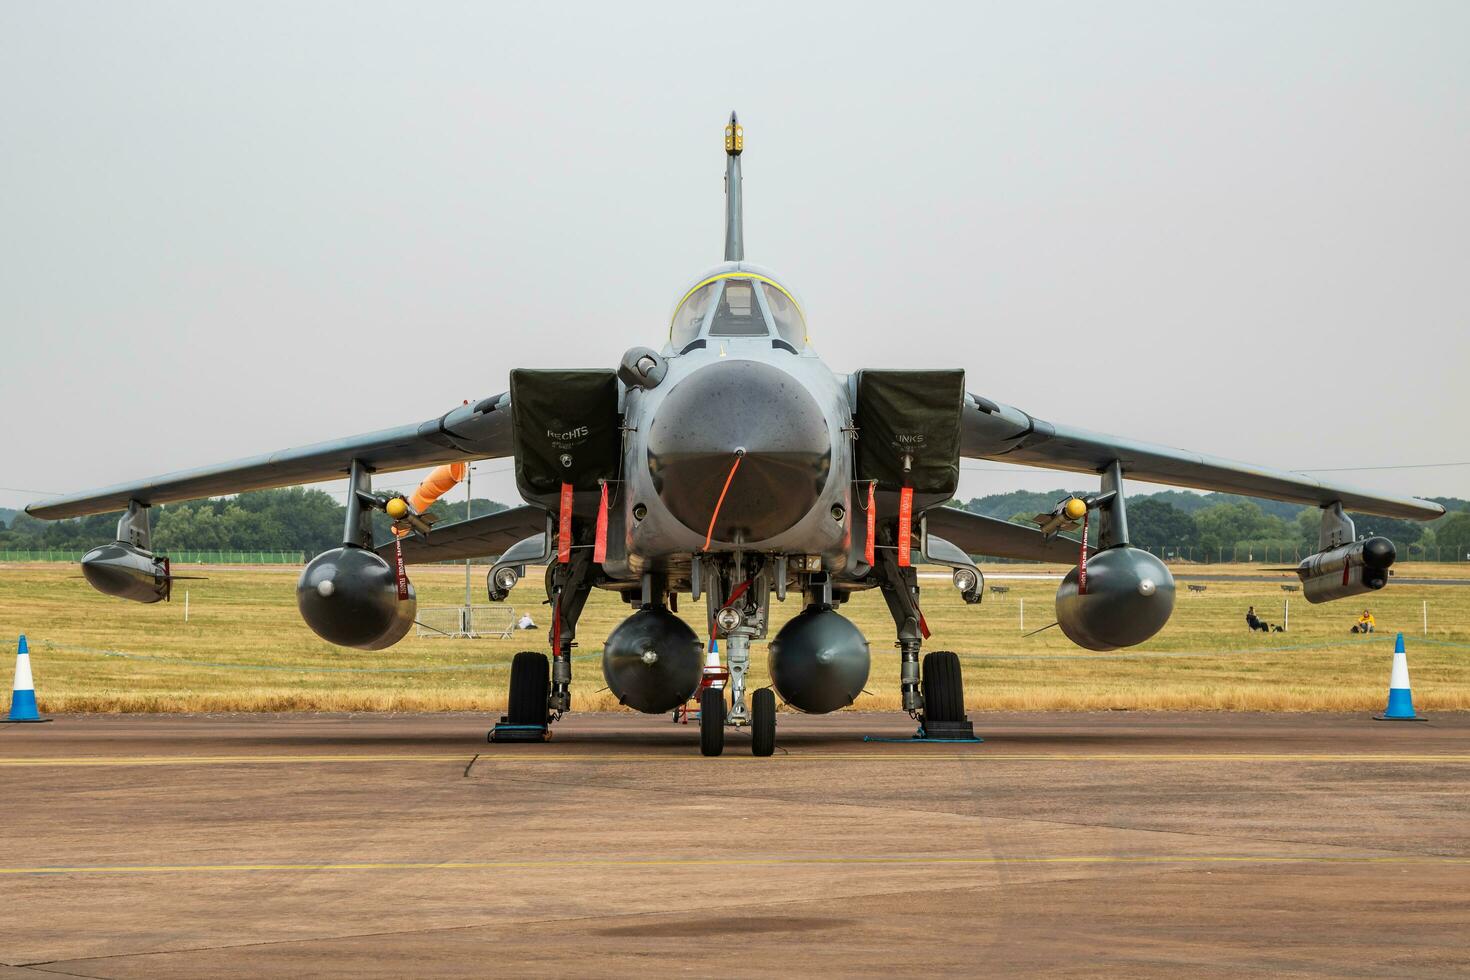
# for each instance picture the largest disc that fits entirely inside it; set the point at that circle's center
(245, 649)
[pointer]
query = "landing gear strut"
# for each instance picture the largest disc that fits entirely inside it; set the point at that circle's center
(935, 698)
(539, 696)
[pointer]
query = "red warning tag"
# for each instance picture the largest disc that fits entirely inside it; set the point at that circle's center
(599, 546)
(564, 526)
(868, 545)
(399, 570)
(1082, 563)
(905, 524)
(923, 626)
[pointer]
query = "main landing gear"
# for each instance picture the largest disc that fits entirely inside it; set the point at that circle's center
(935, 696)
(528, 715)
(944, 698)
(540, 688)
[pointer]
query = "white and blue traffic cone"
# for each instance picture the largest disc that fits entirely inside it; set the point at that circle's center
(1400, 701)
(23, 694)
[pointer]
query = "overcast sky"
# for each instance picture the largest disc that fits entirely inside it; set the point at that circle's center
(1238, 228)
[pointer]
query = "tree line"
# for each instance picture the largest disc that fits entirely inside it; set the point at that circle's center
(294, 519)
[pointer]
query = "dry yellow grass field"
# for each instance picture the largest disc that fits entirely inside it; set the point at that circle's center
(245, 648)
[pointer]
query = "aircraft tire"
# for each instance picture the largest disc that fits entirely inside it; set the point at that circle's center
(530, 687)
(943, 687)
(763, 722)
(711, 721)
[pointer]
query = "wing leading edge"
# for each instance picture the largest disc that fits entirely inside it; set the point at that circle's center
(1006, 434)
(478, 431)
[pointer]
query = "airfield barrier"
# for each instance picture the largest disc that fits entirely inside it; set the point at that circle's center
(466, 621)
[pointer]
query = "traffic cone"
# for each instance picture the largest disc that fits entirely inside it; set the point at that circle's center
(1400, 701)
(23, 695)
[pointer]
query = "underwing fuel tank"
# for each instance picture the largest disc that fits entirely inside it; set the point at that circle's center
(1352, 569)
(1129, 597)
(349, 596)
(652, 661)
(119, 569)
(819, 661)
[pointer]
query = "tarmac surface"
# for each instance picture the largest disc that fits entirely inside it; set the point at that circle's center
(1207, 844)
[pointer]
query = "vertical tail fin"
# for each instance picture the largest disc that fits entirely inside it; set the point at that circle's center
(734, 222)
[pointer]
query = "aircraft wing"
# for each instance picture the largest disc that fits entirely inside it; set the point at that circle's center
(491, 534)
(975, 534)
(478, 431)
(1000, 432)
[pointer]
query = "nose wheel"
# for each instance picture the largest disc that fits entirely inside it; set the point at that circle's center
(763, 722)
(711, 721)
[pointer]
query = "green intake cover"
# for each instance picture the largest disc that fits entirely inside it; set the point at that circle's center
(566, 429)
(910, 413)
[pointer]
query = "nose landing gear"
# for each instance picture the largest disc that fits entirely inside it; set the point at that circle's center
(739, 613)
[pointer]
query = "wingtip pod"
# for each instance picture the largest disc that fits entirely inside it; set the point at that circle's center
(734, 136)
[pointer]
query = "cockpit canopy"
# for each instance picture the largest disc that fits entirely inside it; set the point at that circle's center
(738, 303)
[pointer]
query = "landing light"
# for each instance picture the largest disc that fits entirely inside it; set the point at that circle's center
(506, 579)
(965, 580)
(727, 619)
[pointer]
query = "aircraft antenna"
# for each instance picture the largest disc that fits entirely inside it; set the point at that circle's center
(734, 223)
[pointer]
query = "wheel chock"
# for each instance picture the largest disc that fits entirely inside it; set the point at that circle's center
(504, 731)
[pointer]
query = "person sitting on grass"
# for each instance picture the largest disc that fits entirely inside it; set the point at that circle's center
(1366, 623)
(1257, 623)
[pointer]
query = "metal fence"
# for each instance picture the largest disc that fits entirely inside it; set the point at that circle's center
(470, 622)
(177, 557)
(1270, 552)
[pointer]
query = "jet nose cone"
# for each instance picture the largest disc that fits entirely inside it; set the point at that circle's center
(734, 405)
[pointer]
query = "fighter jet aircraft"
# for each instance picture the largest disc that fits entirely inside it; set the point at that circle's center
(732, 465)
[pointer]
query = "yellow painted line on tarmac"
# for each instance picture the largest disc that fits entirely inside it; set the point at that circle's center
(226, 760)
(621, 863)
(895, 755)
